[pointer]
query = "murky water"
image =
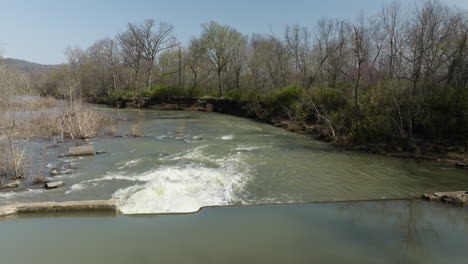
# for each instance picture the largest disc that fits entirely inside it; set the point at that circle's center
(191, 159)
(363, 232)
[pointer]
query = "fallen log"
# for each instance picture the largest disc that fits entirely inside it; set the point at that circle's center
(53, 185)
(81, 151)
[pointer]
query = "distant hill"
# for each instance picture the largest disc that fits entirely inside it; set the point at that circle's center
(27, 66)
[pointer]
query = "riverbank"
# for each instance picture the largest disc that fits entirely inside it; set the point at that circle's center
(421, 150)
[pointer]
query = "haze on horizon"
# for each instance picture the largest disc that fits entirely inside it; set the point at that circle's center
(40, 31)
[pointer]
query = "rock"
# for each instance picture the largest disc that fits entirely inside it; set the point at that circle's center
(81, 151)
(54, 172)
(197, 138)
(457, 198)
(69, 166)
(51, 185)
(64, 155)
(41, 180)
(462, 164)
(101, 152)
(12, 184)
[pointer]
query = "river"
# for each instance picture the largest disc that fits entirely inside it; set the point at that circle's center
(360, 232)
(187, 160)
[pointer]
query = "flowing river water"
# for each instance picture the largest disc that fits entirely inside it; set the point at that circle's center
(187, 160)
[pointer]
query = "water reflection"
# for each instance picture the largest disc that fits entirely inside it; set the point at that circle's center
(361, 232)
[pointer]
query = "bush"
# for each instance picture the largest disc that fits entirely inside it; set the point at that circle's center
(286, 96)
(447, 115)
(371, 129)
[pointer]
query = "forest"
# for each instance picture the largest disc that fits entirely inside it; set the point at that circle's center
(395, 80)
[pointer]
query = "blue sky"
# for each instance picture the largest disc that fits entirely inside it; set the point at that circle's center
(40, 30)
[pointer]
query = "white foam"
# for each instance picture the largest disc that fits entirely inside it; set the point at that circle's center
(29, 192)
(185, 188)
(248, 148)
(76, 187)
(228, 137)
(130, 163)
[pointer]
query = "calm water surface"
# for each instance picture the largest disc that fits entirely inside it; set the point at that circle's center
(363, 232)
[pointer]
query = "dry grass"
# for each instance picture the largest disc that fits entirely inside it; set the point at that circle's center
(29, 105)
(136, 130)
(12, 160)
(110, 125)
(47, 125)
(12, 151)
(79, 122)
(44, 102)
(180, 129)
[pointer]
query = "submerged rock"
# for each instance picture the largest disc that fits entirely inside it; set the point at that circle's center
(52, 185)
(69, 166)
(462, 164)
(101, 152)
(64, 155)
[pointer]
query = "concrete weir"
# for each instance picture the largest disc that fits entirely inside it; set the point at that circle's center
(60, 207)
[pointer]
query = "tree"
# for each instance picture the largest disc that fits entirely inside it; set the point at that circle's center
(75, 58)
(298, 40)
(152, 41)
(131, 53)
(104, 53)
(221, 44)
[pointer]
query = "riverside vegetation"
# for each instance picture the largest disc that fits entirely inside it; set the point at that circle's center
(395, 81)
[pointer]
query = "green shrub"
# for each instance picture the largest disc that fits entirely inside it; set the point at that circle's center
(286, 96)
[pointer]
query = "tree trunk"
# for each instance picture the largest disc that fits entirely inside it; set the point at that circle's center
(219, 84)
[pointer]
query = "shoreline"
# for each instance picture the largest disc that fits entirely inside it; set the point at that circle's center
(256, 111)
(111, 207)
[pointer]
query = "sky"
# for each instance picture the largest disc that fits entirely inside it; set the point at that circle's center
(40, 30)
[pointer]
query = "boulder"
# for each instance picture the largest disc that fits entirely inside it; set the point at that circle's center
(41, 180)
(54, 172)
(81, 151)
(52, 185)
(101, 152)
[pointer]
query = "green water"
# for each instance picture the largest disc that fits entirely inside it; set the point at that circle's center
(223, 160)
(363, 232)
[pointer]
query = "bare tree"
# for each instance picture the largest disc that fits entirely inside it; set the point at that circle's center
(152, 41)
(298, 41)
(221, 44)
(131, 53)
(74, 58)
